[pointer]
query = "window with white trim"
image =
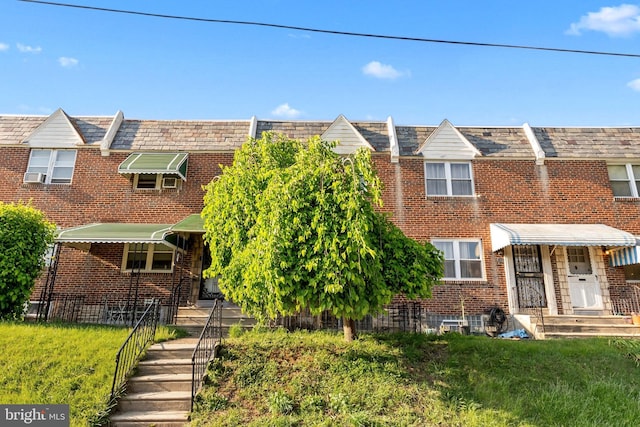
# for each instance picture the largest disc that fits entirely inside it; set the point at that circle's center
(148, 257)
(624, 180)
(462, 259)
(448, 178)
(156, 181)
(55, 165)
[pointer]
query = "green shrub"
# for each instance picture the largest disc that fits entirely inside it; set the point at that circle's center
(280, 403)
(25, 236)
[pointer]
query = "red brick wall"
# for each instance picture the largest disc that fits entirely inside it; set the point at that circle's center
(100, 194)
(507, 191)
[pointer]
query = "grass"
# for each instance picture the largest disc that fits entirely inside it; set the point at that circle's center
(62, 364)
(315, 379)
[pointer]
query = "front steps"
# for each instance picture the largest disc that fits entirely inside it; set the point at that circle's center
(193, 318)
(578, 326)
(160, 393)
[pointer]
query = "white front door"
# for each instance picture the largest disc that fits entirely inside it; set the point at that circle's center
(584, 288)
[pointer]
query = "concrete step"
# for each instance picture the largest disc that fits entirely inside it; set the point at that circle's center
(557, 334)
(159, 382)
(604, 330)
(155, 401)
(164, 366)
(598, 320)
(170, 351)
(151, 418)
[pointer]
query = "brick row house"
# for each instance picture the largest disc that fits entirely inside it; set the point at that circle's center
(529, 218)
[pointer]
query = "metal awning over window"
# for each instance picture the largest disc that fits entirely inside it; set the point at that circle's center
(191, 224)
(115, 233)
(624, 256)
(155, 163)
(558, 234)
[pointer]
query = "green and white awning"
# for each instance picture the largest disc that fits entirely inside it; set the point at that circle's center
(156, 163)
(559, 235)
(116, 233)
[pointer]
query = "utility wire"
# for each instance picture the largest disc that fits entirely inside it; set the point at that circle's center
(341, 33)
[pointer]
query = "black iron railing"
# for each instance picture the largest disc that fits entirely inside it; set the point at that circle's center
(204, 351)
(140, 337)
(408, 316)
(625, 300)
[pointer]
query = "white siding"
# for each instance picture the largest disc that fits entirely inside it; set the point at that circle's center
(57, 132)
(348, 137)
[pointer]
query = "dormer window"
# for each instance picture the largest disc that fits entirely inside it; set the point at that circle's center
(448, 179)
(48, 166)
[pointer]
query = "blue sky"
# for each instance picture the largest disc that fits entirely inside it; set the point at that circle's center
(95, 63)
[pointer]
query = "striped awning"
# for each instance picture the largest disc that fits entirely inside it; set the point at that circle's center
(559, 234)
(155, 163)
(115, 233)
(624, 256)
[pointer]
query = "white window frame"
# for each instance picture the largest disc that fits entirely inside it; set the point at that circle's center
(631, 178)
(457, 258)
(52, 164)
(149, 258)
(449, 179)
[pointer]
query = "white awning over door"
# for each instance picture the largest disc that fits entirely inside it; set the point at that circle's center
(558, 234)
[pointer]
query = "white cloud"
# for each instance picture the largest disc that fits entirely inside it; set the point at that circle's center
(28, 49)
(3, 47)
(284, 110)
(381, 71)
(634, 84)
(67, 62)
(622, 20)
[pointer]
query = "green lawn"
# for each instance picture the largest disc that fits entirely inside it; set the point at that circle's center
(61, 364)
(315, 379)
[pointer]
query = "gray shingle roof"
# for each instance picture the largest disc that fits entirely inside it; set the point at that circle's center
(504, 142)
(589, 142)
(491, 141)
(180, 135)
(15, 129)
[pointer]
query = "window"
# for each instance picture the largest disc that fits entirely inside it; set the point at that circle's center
(55, 165)
(632, 272)
(147, 181)
(156, 181)
(624, 180)
(448, 179)
(149, 257)
(462, 258)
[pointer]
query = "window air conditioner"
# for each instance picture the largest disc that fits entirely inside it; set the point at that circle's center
(169, 182)
(34, 177)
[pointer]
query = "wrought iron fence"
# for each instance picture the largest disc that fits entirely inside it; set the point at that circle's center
(408, 316)
(625, 300)
(140, 337)
(204, 351)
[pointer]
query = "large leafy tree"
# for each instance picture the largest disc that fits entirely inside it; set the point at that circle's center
(25, 236)
(293, 225)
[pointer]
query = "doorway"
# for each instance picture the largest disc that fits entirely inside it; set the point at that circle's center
(584, 288)
(530, 287)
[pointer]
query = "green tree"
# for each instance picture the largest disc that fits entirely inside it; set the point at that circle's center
(25, 235)
(292, 225)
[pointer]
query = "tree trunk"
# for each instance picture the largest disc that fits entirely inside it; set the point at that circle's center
(349, 328)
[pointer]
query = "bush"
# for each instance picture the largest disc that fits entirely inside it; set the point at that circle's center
(25, 236)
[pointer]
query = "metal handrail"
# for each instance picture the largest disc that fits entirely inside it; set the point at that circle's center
(204, 351)
(141, 335)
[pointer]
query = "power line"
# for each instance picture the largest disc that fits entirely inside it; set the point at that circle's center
(334, 32)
